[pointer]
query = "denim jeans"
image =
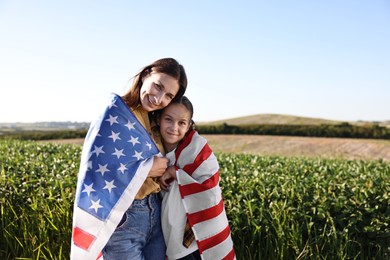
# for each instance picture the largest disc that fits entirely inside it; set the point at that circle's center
(193, 256)
(138, 235)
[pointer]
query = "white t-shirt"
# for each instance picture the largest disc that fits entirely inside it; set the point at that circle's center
(173, 220)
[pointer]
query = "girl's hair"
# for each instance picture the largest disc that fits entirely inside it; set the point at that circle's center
(188, 105)
(167, 66)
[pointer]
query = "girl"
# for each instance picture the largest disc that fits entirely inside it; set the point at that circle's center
(193, 216)
(125, 224)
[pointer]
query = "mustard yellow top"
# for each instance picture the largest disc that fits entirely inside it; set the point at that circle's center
(150, 185)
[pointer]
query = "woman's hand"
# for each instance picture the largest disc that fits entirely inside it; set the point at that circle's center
(160, 165)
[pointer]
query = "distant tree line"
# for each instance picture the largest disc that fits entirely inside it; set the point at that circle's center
(343, 130)
(45, 135)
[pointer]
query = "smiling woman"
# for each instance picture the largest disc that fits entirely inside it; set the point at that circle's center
(126, 222)
(158, 90)
(160, 78)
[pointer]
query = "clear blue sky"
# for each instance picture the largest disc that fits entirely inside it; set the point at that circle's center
(60, 60)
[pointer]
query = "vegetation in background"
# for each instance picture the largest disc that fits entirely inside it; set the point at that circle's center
(44, 135)
(279, 208)
(343, 130)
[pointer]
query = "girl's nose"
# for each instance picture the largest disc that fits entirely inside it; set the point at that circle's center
(175, 127)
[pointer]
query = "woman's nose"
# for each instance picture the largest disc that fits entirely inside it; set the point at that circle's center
(156, 100)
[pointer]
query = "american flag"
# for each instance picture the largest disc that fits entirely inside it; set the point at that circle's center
(115, 162)
(198, 179)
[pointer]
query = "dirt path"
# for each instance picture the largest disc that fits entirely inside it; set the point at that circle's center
(366, 149)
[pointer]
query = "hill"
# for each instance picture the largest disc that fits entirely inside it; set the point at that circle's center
(286, 120)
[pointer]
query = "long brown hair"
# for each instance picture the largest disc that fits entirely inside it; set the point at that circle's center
(167, 66)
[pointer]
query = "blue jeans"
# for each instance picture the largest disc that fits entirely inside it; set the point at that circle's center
(193, 256)
(139, 235)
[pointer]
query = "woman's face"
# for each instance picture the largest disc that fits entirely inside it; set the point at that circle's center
(174, 123)
(157, 91)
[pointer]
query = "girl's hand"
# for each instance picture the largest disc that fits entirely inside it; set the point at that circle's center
(160, 165)
(167, 178)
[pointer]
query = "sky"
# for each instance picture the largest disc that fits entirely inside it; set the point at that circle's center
(60, 60)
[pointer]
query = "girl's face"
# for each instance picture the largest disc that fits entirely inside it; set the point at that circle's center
(174, 123)
(157, 91)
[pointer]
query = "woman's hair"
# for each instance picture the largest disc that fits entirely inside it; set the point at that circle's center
(167, 66)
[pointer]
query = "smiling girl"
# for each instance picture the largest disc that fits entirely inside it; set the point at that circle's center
(194, 221)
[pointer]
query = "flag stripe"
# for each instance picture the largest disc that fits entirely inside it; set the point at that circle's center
(200, 158)
(214, 240)
(82, 238)
(205, 199)
(192, 188)
(230, 256)
(220, 251)
(211, 227)
(206, 214)
(187, 140)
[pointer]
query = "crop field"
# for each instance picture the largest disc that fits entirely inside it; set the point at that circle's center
(279, 207)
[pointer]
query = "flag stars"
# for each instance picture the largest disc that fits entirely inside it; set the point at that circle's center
(98, 150)
(122, 168)
(102, 169)
(112, 120)
(96, 205)
(88, 189)
(114, 136)
(109, 185)
(118, 153)
(134, 140)
(138, 155)
(149, 145)
(112, 104)
(130, 125)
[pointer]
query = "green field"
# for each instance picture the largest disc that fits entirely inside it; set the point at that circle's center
(279, 208)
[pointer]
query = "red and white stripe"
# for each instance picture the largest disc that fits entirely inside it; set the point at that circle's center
(198, 179)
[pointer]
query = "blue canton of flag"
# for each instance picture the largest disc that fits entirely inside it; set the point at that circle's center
(113, 167)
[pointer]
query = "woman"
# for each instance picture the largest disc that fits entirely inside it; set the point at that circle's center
(132, 228)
